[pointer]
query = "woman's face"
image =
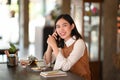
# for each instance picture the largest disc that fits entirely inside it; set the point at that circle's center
(64, 29)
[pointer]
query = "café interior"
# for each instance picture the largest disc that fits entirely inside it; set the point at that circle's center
(27, 24)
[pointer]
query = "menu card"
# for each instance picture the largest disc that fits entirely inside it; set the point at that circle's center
(54, 73)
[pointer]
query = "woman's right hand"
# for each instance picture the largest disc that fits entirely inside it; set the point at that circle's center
(55, 35)
(51, 41)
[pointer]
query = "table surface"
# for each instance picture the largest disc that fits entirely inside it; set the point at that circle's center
(20, 73)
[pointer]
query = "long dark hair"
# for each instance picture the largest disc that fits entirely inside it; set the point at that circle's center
(68, 18)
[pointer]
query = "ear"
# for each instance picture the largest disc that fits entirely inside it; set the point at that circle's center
(73, 26)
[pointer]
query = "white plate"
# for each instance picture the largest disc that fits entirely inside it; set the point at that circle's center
(36, 69)
(40, 64)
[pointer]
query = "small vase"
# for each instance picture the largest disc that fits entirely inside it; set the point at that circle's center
(12, 60)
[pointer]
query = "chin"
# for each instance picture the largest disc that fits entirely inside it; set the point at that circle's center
(63, 37)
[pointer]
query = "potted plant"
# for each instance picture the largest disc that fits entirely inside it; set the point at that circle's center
(12, 55)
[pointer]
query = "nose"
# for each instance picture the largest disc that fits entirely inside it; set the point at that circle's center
(61, 29)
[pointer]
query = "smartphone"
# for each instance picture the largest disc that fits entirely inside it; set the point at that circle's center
(59, 41)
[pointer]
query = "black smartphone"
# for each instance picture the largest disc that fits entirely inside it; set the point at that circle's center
(59, 41)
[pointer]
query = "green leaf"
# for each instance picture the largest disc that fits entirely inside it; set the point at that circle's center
(12, 48)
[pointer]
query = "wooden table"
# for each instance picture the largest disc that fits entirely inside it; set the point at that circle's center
(20, 73)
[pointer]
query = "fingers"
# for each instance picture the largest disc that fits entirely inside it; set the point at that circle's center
(55, 35)
(50, 38)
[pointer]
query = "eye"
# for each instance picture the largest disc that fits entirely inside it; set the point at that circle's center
(57, 26)
(64, 25)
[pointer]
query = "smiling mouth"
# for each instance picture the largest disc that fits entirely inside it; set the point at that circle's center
(62, 34)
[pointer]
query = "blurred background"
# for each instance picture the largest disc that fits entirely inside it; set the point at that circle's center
(27, 23)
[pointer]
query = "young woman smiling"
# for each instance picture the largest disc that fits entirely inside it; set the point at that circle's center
(67, 48)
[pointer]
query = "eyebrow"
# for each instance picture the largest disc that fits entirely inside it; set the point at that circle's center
(62, 24)
(65, 23)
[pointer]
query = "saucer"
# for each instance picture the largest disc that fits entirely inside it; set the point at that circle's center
(36, 69)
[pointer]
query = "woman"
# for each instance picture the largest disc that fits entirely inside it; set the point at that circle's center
(67, 48)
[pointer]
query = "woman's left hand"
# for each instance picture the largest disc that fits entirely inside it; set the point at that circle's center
(52, 42)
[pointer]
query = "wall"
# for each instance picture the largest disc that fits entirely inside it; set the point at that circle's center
(109, 38)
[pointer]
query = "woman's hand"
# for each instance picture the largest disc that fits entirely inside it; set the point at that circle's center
(55, 35)
(52, 42)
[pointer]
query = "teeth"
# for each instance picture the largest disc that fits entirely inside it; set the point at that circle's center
(62, 33)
